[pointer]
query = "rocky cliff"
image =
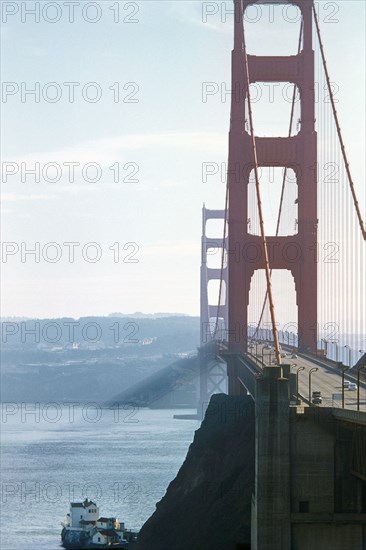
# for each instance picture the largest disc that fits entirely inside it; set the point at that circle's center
(208, 505)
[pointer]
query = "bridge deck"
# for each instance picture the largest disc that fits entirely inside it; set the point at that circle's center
(327, 380)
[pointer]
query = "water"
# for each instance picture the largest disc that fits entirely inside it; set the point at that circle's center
(122, 459)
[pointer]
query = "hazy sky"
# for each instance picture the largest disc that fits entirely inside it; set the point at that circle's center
(159, 133)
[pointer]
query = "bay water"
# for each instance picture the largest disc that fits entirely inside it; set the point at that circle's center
(121, 458)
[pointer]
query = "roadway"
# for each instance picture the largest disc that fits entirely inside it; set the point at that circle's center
(327, 380)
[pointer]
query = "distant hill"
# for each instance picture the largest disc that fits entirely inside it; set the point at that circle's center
(91, 358)
(174, 334)
(139, 315)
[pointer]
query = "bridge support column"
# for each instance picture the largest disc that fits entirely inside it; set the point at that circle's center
(271, 526)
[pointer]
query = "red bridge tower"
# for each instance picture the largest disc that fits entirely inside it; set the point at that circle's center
(298, 252)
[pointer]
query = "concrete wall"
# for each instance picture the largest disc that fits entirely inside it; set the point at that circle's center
(306, 497)
(271, 509)
(326, 537)
(312, 462)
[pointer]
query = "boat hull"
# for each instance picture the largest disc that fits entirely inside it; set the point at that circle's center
(79, 540)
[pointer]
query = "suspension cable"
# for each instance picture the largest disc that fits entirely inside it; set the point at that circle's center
(345, 158)
(283, 184)
(260, 213)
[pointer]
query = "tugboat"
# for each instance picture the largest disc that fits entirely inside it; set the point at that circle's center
(84, 529)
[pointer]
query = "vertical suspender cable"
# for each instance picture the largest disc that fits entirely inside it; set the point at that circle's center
(345, 159)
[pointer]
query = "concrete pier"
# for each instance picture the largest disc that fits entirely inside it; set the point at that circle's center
(271, 503)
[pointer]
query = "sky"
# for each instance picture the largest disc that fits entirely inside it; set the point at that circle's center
(129, 105)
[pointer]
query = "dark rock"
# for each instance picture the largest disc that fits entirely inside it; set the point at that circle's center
(208, 505)
(74, 539)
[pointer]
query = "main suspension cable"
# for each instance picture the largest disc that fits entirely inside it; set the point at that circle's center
(345, 158)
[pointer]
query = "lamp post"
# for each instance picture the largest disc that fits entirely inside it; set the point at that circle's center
(297, 381)
(314, 369)
(343, 371)
(349, 354)
(358, 381)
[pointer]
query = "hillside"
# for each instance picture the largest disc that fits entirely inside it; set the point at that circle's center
(91, 358)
